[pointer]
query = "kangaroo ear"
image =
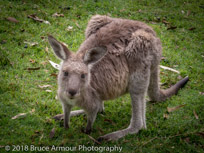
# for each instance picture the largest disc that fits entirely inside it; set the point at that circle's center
(95, 54)
(60, 49)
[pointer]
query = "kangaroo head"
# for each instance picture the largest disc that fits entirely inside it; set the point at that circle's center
(73, 75)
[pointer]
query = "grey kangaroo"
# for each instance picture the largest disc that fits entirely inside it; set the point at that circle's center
(118, 56)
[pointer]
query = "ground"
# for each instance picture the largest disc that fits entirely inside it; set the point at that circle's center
(25, 70)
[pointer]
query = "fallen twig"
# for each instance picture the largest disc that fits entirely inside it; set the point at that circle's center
(171, 109)
(149, 141)
(55, 65)
(94, 139)
(168, 68)
(33, 68)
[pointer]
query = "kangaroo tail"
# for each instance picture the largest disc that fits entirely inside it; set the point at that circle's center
(157, 94)
(164, 94)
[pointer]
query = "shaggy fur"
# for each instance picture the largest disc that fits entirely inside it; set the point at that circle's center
(118, 56)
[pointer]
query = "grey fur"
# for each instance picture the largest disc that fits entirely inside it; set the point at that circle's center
(117, 57)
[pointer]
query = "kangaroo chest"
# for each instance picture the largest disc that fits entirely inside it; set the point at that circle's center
(110, 77)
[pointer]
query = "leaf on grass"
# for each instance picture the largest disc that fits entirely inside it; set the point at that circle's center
(58, 15)
(41, 137)
(46, 22)
(188, 12)
(201, 93)
(168, 68)
(94, 139)
(3, 41)
(37, 131)
(163, 58)
(187, 140)
(195, 114)
(31, 43)
(69, 28)
(171, 109)
(56, 66)
(11, 19)
(46, 49)
(44, 86)
(139, 11)
(34, 17)
(43, 63)
(56, 97)
(192, 28)
(54, 75)
(32, 60)
(122, 10)
(32, 111)
(48, 90)
(77, 25)
(46, 71)
(21, 115)
(52, 133)
(165, 22)
(78, 16)
(67, 8)
(42, 37)
(33, 68)
(166, 116)
(110, 121)
(22, 30)
(171, 27)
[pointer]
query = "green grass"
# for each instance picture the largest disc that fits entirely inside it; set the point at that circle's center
(183, 49)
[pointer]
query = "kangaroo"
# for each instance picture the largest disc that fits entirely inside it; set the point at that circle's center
(118, 56)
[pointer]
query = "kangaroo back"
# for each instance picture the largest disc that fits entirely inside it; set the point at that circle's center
(95, 23)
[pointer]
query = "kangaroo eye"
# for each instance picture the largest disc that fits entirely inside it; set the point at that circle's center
(66, 73)
(83, 76)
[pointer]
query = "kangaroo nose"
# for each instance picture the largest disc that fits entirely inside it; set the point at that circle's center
(72, 92)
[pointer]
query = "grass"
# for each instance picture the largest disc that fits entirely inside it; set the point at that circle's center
(179, 25)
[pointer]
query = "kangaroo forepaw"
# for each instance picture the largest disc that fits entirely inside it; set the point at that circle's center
(86, 131)
(59, 117)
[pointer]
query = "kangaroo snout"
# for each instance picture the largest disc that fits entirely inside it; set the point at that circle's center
(72, 92)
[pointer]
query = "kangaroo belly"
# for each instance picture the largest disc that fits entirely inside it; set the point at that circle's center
(109, 77)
